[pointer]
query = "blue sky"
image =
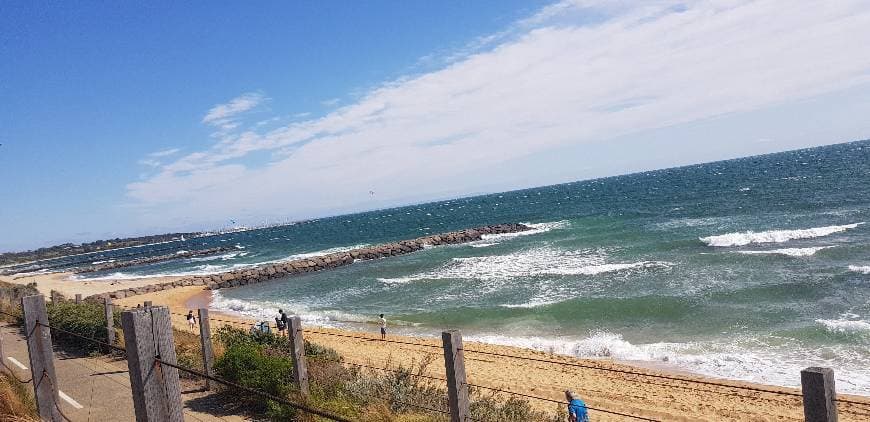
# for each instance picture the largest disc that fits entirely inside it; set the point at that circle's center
(124, 119)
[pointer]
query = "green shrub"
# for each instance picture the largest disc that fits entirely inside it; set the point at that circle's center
(261, 362)
(85, 319)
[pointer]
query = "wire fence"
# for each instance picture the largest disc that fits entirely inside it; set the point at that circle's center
(850, 406)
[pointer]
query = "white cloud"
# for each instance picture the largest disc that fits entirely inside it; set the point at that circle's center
(576, 72)
(164, 153)
(223, 115)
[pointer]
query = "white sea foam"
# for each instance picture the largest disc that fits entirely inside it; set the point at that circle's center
(846, 326)
(796, 252)
(534, 303)
(224, 257)
(102, 262)
(863, 269)
(267, 310)
(746, 359)
(773, 236)
(482, 244)
(338, 249)
(537, 228)
(531, 262)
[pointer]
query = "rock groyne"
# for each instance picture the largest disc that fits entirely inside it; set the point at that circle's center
(265, 272)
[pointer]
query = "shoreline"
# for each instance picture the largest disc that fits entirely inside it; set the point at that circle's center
(649, 396)
(637, 394)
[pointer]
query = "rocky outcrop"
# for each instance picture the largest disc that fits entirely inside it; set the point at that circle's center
(272, 271)
(149, 260)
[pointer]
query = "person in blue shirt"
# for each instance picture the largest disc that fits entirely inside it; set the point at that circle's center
(576, 408)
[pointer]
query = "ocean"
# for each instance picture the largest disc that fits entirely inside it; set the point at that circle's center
(747, 269)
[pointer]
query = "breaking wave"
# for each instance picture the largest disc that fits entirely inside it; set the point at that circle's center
(740, 359)
(536, 229)
(538, 261)
(845, 326)
(864, 269)
(773, 236)
(796, 252)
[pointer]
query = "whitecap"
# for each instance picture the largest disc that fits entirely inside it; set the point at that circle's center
(864, 269)
(846, 326)
(526, 263)
(795, 252)
(537, 228)
(773, 236)
(482, 245)
(338, 249)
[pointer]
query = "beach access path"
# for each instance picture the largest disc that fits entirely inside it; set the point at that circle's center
(93, 388)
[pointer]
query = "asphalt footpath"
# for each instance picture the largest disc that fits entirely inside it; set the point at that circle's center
(90, 388)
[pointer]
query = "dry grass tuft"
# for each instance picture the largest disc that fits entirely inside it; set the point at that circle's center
(16, 403)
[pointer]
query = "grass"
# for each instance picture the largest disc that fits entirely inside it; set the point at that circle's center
(16, 401)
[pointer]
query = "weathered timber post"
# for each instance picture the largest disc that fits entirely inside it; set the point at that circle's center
(147, 304)
(156, 388)
(205, 341)
(457, 387)
(820, 396)
(297, 346)
(110, 321)
(78, 298)
(41, 357)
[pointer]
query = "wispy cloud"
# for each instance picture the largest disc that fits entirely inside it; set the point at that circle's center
(223, 116)
(164, 153)
(330, 102)
(576, 72)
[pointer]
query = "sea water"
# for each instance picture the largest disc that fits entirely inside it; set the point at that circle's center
(748, 269)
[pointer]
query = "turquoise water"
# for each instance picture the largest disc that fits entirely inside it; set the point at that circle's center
(750, 269)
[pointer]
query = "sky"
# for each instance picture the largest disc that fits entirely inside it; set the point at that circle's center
(120, 119)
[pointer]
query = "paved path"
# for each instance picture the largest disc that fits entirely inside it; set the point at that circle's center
(91, 389)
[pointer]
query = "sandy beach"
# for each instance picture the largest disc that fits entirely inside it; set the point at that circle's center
(606, 388)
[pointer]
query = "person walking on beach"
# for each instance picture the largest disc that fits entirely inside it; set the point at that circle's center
(281, 321)
(576, 408)
(191, 320)
(383, 323)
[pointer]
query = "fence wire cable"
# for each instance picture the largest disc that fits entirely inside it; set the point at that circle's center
(56, 391)
(373, 339)
(343, 362)
(305, 408)
(561, 402)
(11, 372)
(91, 339)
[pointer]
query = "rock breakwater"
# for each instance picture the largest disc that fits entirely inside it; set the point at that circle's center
(265, 272)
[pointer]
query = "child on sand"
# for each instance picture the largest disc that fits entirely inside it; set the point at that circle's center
(191, 320)
(576, 408)
(383, 323)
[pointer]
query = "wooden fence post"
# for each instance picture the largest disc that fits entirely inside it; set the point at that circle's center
(110, 321)
(156, 388)
(820, 396)
(457, 386)
(41, 357)
(297, 346)
(2, 355)
(147, 304)
(205, 341)
(78, 298)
